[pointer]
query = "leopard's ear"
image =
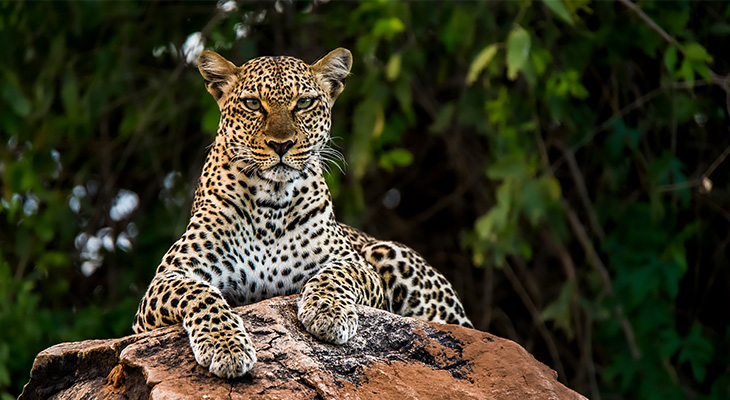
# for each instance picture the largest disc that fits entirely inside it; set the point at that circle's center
(331, 71)
(218, 73)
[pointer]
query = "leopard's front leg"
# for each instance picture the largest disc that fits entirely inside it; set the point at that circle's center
(327, 304)
(217, 337)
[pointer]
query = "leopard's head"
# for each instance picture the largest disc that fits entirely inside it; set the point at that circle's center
(275, 111)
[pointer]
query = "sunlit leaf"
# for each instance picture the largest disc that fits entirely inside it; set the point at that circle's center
(481, 61)
(387, 28)
(395, 157)
(695, 51)
(518, 49)
(392, 68)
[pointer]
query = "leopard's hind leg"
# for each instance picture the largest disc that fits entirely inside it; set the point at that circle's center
(412, 287)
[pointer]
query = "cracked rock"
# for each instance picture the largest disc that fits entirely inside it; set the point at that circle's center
(390, 357)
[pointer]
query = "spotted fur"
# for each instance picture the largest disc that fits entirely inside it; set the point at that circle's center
(262, 223)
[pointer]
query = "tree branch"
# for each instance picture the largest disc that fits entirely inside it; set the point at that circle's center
(582, 191)
(540, 324)
(653, 25)
(595, 261)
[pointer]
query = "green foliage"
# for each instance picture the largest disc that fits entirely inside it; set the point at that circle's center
(572, 150)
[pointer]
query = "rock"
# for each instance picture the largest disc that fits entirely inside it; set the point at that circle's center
(390, 357)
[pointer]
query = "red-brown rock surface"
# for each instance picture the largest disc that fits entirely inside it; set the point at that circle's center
(391, 357)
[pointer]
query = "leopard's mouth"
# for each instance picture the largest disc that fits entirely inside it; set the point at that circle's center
(282, 167)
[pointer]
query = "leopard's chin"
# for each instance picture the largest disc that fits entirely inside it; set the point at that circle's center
(280, 173)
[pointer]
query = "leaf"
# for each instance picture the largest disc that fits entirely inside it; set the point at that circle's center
(558, 8)
(491, 226)
(458, 32)
(562, 84)
(697, 351)
(533, 201)
(14, 97)
(478, 257)
(396, 157)
(703, 70)
(621, 137)
(480, 62)
(551, 188)
(669, 343)
(129, 122)
(670, 58)
(70, 94)
(686, 72)
(498, 110)
(579, 91)
(695, 51)
(443, 118)
(392, 68)
(53, 259)
(559, 311)
(484, 225)
(518, 49)
(404, 94)
(538, 196)
(540, 58)
(387, 28)
(720, 29)
(510, 166)
(401, 157)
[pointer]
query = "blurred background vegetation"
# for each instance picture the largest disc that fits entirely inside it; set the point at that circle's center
(562, 162)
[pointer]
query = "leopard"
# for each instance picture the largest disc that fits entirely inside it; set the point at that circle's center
(262, 223)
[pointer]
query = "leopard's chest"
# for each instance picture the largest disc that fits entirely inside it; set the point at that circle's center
(278, 253)
(273, 265)
(274, 238)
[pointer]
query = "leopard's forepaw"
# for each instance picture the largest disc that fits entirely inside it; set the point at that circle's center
(327, 319)
(227, 351)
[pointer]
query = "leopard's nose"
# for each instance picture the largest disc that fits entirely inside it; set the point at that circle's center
(279, 147)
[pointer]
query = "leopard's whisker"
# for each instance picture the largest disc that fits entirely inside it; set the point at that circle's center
(328, 155)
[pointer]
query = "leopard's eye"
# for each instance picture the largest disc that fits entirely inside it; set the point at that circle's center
(252, 104)
(304, 103)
